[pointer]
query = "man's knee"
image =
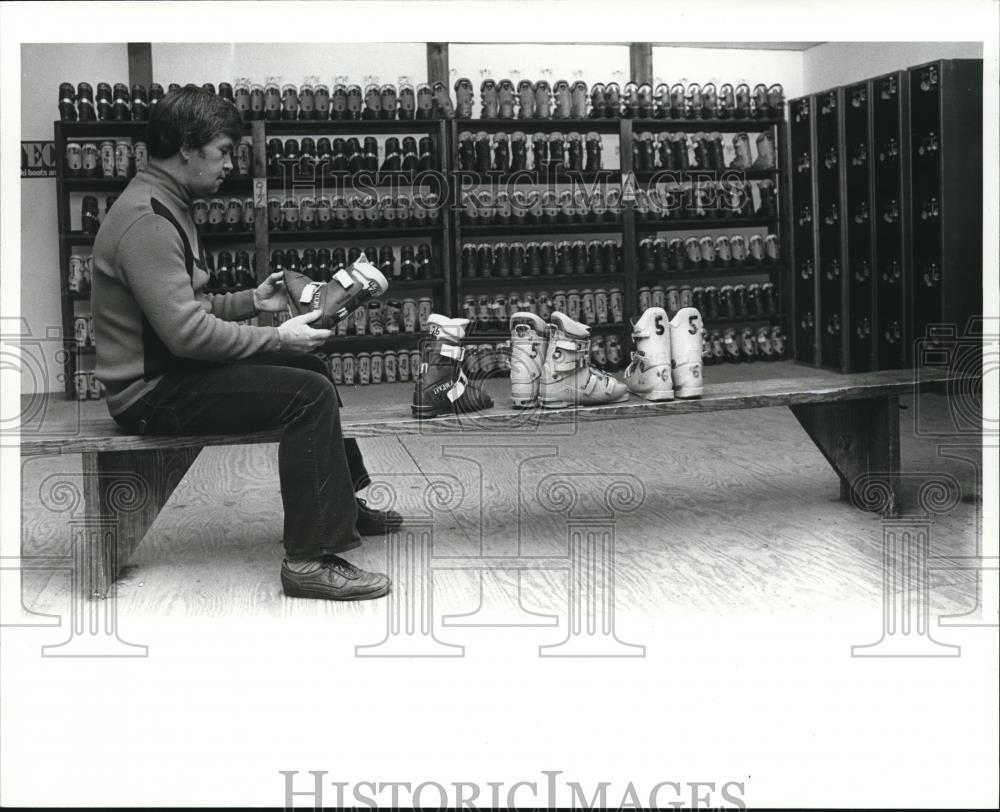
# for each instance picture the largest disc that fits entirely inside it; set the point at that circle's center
(314, 395)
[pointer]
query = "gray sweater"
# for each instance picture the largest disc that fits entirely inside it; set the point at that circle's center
(151, 315)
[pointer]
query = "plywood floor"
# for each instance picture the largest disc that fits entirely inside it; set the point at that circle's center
(740, 513)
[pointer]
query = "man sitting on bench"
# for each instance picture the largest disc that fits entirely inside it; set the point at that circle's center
(174, 362)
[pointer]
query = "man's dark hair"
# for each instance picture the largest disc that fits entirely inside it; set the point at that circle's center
(190, 117)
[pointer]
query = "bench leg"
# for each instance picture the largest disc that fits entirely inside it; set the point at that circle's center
(123, 493)
(858, 438)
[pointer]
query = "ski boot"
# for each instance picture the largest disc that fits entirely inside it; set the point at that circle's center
(528, 345)
(441, 385)
(686, 330)
(567, 377)
(649, 373)
(346, 291)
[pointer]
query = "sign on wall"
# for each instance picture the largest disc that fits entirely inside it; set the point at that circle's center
(38, 159)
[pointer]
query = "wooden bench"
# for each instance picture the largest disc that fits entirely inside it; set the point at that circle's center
(852, 419)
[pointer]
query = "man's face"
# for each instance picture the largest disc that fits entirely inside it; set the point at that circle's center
(209, 166)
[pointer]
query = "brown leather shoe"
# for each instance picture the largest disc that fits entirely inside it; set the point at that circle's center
(331, 578)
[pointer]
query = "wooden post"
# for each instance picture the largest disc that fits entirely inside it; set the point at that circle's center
(260, 201)
(640, 59)
(437, 62)
(140, 63)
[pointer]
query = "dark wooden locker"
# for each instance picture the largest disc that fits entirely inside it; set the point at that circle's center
(830, 223)
(946, 147)
(805, 316)
(858, 214)
(890, 170)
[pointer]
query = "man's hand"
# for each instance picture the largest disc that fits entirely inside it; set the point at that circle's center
(270, 296)
(297, 336)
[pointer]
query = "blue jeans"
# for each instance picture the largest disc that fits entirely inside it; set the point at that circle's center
(319, 470)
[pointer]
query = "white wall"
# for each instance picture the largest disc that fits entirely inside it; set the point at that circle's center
(217, 62)
(43, 67)
(839, 63)
(733, 65)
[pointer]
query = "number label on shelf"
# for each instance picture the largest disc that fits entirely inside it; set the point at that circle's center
(628, 187)
(259, 193)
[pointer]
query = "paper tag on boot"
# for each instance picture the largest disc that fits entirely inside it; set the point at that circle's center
(309, 291)
(344, 278)
(458, 389)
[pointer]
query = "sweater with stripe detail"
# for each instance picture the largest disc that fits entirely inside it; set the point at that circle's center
(151, 313)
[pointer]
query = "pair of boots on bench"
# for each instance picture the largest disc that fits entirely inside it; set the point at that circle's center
(549, 362)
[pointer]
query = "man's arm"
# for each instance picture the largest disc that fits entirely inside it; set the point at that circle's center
(151, 256)
(230, 306)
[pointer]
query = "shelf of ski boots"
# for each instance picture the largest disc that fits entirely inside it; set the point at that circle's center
(370, 368)
(379, 159)
(540, 211)
(600, 260)
(668, 206)
(600, 308)
(306, 217)
(717, 304)
(269, 101)
(513, 101)
(742, 345)
(675, 154)
(413, 268)
(99, 157)
(708, 256)
(539, 157)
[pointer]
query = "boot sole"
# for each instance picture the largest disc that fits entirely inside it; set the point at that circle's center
(689, 396)
(656, 396)
(319, 594)
(562, 404)
(428, 412)
(524, 403)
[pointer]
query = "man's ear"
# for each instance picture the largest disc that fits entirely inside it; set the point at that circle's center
(185, 153)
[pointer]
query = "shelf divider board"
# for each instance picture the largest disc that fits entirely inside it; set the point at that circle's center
(261, 243)
(437, 63)
(444, 257)
(64, 221)
(140, 63)
(640, 57)
(630, 262)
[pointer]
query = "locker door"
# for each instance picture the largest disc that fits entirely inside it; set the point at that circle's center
(829, 214)
(887, 93)
(858, 212)
(804, 268)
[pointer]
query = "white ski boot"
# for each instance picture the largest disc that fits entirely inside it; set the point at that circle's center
(685, 352)
(649, 374)
(567, 377)
(529, 341)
